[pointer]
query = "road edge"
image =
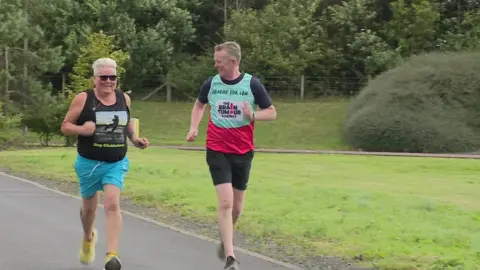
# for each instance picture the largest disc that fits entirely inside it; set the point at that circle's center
(334, 152)
(473, 155)
(160, 224)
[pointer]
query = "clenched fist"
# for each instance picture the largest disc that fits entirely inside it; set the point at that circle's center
(192, 135)
(88, 128)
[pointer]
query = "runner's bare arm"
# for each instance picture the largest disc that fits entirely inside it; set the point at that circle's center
(267, 114)
(131, 124)
(199, 106)
(267, 111)
(197, 114)
(69, 128)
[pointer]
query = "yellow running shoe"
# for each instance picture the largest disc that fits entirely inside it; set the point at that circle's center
(87, 250)
(112, 262)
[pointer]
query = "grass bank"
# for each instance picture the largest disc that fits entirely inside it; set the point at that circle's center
(397, 213)
(301, 125)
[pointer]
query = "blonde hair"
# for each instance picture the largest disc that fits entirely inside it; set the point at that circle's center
(232, 48)
(103, 62)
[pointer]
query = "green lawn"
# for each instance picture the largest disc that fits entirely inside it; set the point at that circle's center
(399, 213)
(304, 125)
(301, 125)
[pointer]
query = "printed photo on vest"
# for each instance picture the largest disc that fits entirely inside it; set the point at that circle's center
(229, 110)
(110, 128)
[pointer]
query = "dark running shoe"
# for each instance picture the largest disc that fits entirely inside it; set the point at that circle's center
(231, 264)
(112, 262)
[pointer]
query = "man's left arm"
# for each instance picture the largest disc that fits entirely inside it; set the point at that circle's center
(267, 111)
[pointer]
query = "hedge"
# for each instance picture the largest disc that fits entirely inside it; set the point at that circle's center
(429, 103)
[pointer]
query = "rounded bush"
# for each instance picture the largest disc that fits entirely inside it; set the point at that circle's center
(430, 103)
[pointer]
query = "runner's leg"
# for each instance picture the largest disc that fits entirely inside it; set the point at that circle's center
(238, 204)
(113, 185)
(113, 222)
(241, 166)
(88, 215)
(225, 205)
(220, 171)
(89, 175)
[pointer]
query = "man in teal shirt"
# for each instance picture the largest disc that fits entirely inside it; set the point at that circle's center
(232, 97)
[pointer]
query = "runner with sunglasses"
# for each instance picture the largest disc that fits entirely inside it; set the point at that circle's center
(100, 117)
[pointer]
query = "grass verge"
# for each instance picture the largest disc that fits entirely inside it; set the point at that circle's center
(301, 125)
(393, 212)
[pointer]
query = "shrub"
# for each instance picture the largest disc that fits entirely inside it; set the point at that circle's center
(188, 76)
(8, 125)
(45, 120)
(430, 103)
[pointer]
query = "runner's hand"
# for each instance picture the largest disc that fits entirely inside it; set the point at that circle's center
(88, 128)
(141, 143)
(192, 134)
(247, 111)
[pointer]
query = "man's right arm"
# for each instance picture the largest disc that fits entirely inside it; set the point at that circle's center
(199, 106)
(69, 128)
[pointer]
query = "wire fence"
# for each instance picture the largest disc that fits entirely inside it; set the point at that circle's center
(305, 88)
(278, 87)
(288, 88)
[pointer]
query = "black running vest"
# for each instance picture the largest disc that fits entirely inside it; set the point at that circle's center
(109, 142)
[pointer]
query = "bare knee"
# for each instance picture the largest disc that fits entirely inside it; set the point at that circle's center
(90, 206)
(238, 202)
(237, 210)
(225, 197)
(225, 205)
(111, 201)
(111, 206)
(89, 211)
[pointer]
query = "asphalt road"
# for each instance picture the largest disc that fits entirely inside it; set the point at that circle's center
(40, 229)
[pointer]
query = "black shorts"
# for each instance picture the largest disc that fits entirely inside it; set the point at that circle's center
(230, 168)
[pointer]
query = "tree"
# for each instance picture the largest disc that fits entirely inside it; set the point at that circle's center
(357, 47)
(98, 45)
(25, 53)
(154, 33)
(413, 28)
(27, 56)
(259, 33)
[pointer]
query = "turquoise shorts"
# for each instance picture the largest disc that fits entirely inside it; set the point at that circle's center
(94, 174)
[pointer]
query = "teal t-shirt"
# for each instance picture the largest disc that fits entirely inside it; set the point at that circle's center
(229, 131)
(226, 102)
